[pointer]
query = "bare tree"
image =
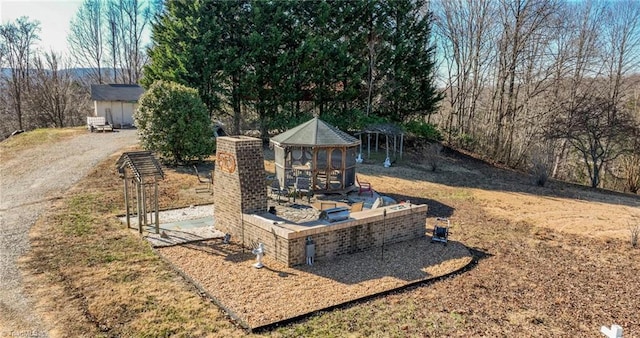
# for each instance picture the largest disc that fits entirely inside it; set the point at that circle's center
(497, 70)
(597, 129)
(574, 64)
(19, 37)
(86, 39)
(621, 46)
(523, 24)
(5, 117)
(467, 30)
(113, 38)
(515, 67)
(55, 96)
(136, 18)
(126, 22)
(3, 52)
(540, 164)
(631, 170)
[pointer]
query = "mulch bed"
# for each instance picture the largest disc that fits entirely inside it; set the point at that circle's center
(275, 293)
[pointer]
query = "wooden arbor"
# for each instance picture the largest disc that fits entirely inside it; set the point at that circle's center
(140, 172)
(320, 151)
(387, 130)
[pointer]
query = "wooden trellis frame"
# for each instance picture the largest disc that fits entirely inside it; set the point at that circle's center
(386, 130)
(140, 172)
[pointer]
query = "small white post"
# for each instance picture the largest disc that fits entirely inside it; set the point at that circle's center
(259, 252)
(614, 332)
(387, 162)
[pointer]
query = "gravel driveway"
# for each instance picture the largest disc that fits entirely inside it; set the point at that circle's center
(28, 183)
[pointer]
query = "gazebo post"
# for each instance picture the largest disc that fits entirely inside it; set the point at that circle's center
(401, 143)
(395, 147)
(126, 196)
(147, 207)
(387, 161)
(377, 140)
(132, 193)
(157, 207)
(343, 170)
(144, 204)
(387, 145)
(368, 145)
(138, 201)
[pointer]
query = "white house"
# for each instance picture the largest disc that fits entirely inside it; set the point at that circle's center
(116, 102)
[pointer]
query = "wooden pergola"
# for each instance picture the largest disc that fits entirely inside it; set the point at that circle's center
(387, 130)
(320, 151)
(140, 172)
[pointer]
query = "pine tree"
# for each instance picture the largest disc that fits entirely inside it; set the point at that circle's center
(408, 62)
(186, 37)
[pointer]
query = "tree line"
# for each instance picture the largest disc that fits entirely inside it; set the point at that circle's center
(544, 83)
(277, 63)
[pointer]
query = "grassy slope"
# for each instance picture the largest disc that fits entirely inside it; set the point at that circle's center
(92, 277)
(13, 145)
(114, 283)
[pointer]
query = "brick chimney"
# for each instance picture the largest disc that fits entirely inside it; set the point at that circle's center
(239, 182)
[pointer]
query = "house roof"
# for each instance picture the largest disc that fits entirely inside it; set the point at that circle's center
(315, 132)
(116, 92)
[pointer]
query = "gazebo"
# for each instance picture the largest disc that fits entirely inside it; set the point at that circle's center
(319, 151)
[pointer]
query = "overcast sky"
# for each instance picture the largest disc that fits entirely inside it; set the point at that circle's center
(54, 17)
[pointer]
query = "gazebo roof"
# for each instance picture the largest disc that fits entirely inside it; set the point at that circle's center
(384, 128)
(315, 132)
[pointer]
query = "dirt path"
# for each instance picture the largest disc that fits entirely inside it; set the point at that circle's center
(28, 183)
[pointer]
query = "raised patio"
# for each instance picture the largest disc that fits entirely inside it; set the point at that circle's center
(240, 202)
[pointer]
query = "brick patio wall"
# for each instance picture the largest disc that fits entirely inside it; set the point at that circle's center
(370, 230)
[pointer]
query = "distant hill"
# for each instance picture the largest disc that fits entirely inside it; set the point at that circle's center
(77, 73)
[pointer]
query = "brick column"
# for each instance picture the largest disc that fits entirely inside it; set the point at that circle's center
(239, 182)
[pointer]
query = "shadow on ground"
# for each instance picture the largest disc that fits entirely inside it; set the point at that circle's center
(456, 169)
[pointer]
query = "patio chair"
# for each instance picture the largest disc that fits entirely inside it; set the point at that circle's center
(278, 191)
(208, 180)
(303, 185)
(327, 205)
(377, 203)
(364, 187)
(357, 206)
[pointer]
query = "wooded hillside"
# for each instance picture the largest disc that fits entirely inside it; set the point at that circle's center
(543, 85)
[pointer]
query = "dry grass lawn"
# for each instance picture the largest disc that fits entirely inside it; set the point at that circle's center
(12, 146)
(552, 261)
